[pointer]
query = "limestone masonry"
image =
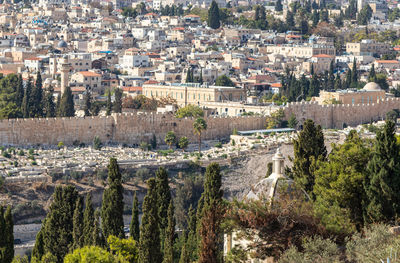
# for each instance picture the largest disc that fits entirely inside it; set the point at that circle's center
(340, 115)
(118, 128)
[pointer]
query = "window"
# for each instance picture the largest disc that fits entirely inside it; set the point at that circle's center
(352, 101)
(181, 95)
(362, 100)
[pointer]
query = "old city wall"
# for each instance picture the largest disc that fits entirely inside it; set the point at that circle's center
(128, 128)
(339, 115)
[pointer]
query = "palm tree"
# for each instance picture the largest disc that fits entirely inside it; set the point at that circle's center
(198, 126)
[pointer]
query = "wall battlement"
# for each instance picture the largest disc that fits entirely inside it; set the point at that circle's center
(129, 128)
(340, 115)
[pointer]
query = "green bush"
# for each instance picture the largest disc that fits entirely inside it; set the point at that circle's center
(21, 152)
(218, 145)
(97, 144)
(6, 155)
(34, 163)
(145, 146)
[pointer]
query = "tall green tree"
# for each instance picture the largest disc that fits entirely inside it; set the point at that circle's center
(383, 181)
(354, 73)
(169, 236)
(67, 106)
(98, 238)
(38, 250)
(199, 125)
(109, 103)
(19, 97)
(88, 103)
(309, 147)
(164, 198)
(278, 6)
(211, 217)
(37, 98)
(78, 224)
(339, 182)
(26, 105)
(58, 225)
(8, 250)
(88, 221)
(48, 103)
(213, 20)
(134, 229)
(372, 74)
(112, 209)
(150, 250)
(117, 106)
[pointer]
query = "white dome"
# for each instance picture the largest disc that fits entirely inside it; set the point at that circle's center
(372, 86)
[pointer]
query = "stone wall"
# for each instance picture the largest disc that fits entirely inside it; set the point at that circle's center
(339, 115)
(129, 128)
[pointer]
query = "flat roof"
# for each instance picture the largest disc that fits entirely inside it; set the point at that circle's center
(266, 131)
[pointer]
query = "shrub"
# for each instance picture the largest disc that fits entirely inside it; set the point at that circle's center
(76, 143)
(97, 144)
(235, 131)
(34, 163)
(6, 154)
(224, 155)
(31, 151)
(145, 146)
(218, 145)
(21, 152)
(233, 142)
(60, 145)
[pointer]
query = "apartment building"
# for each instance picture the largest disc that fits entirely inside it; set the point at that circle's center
(301, 51)
(368, 47)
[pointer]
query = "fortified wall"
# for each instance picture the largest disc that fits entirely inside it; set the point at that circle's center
(128, 128)
(338, 116)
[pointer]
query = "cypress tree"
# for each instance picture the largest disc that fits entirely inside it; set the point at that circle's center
(211, 218)
(38, 249)
(169, 236)
(383, 181)
(347, 82)
(58, 226)
(58, 105)
(117, 107)
(49, 105)
(26, 106)
(134, 226)
(67, 108)
(3, 241)
(98, 238)
(184, 255)
(278, 6)
(189, 77)
(78, 224)
(37, 97)
(213, 20)
(9, 227)
(88, 222)
(109, 103)
(354, 74)
(372, 74)
(19, 96)
(338, 82)
(88, 103)
(112, 209)
(192, 238)
(150, 251)
(308, 148)
(164, 198)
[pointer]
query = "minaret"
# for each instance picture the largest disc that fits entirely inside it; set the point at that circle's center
(278, 165)
(65, 68)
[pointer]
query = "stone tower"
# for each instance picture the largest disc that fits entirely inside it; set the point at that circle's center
(65, 68)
